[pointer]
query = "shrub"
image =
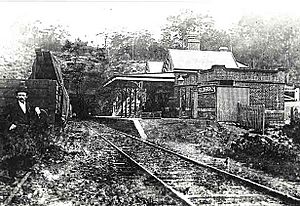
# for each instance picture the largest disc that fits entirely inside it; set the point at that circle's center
(272, 147)
(292, 130)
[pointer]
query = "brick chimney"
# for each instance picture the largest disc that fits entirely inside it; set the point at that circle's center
(223, 49)
(193, 42)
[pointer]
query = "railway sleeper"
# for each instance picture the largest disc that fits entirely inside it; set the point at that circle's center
(135, 147)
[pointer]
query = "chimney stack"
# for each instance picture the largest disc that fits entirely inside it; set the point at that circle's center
(193, 42)
(223, 49)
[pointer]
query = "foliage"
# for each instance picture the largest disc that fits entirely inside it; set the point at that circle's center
(25, 144)
(85, 69)
(39, 35)
(78, 58)
(267, 43)
(137, 46)
(175, 33)
(276, 146)
(16, 60)
(292, 130)
(126, 49)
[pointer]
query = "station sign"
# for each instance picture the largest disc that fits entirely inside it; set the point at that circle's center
(206, 89)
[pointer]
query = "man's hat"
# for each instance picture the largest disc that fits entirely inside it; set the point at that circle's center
(22, 88)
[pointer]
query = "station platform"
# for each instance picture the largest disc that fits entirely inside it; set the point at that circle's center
(135, 121)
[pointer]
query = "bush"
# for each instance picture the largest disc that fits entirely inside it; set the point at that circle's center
(26, 141)
(293, 130)
(272, 147)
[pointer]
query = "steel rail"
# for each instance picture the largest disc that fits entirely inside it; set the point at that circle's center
(182, 197)
(16, 189)
(275, 193)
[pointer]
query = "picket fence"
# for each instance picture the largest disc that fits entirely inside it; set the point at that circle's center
(252, 117)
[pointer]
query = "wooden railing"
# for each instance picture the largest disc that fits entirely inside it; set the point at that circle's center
(251, 116)
(125, 109)
(151, 115)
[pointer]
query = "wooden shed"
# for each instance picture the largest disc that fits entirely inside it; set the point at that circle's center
(219, 102)
(47, 67)
(266, 87)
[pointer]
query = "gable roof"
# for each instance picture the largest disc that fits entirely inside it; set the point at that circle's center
(201, 60)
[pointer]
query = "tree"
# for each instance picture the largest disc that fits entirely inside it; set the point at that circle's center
(267, 43)
(47, 37)
(213, 39)
(28, 37)
(85, 71)
(130, 48)
(176, 31)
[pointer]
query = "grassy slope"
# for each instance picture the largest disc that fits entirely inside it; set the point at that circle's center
(206, 136)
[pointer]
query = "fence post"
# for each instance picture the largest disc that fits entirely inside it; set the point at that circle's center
(254, 117)
(238, 112)
(292, 114)
(263, 119)
(248, 123)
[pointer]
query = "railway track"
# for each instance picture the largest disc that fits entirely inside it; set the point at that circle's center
(193, 182)
(146, 190)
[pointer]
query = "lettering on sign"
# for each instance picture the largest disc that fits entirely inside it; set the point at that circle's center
(206, 90)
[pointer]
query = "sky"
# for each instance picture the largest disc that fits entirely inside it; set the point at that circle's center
(85, 19)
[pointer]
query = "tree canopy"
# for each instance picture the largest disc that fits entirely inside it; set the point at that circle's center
(48, 37)
(176, 31)
(127, 48)
(267, 43)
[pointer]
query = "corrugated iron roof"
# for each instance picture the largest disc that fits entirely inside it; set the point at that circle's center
(150, 77)
(201, 60)
(154, 75)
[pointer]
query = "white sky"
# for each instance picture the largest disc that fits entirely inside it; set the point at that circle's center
(85, 19)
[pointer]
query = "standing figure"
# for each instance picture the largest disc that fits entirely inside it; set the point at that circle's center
(18, 113)
(19, 146)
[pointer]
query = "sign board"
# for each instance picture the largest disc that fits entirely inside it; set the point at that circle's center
(206, 90)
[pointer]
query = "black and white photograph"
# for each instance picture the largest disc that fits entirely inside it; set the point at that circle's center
(149, 103)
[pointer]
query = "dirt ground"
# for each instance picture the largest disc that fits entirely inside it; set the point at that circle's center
(81, 169)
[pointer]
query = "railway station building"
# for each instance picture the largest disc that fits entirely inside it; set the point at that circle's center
(143, 94)
(199, 84)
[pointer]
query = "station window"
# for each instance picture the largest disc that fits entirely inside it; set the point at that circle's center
(227, 82)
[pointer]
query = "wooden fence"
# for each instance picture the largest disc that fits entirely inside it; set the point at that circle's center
(251, 116)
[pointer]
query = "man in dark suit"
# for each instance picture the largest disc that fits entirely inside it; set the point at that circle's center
(19, 145)
(18, 114)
